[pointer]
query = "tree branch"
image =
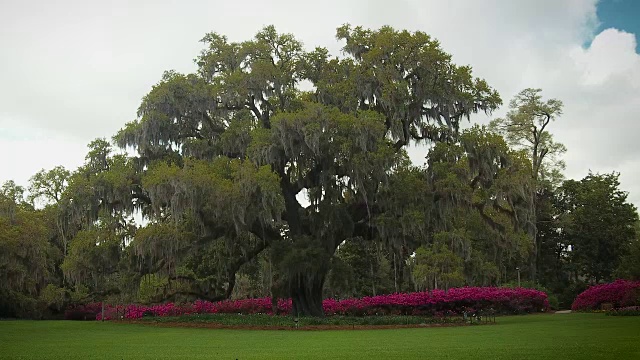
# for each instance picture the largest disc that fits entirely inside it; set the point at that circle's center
(496, 226)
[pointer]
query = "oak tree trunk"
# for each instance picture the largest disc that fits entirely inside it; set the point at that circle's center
(306, 294)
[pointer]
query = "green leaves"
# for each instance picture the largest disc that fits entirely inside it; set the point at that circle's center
(436, 266)
(93, 254)
(332, 151)
(105, 183)
(412, 81)
(600, 223)
(48, 186)
(223, 191)
(27, 259)
(260, 74)
(482, 194)
(629, 267)
(526, 127)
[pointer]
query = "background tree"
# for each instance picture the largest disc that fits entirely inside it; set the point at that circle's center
(600, 224)
(629, 267)
(49, 185)
(95, 219)
(12, 199)
(526, 127)
(46, 188)
(437, 267)
(474, 206)
(552, 242)
(482, 192)
(360, 268)
(27, 258)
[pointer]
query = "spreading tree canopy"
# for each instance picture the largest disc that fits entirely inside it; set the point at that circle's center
(238, 157)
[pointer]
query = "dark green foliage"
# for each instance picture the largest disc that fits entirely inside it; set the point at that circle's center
(629, 267)
(437, 267)
(600, 224)
(27, 257)
(360, 268)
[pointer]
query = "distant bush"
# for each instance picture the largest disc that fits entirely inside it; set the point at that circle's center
(569, 292)
(83, 312)
(625, 311)
(14, 304)
(434, 303)
(620, 293)
(439, 302)
(80, 315)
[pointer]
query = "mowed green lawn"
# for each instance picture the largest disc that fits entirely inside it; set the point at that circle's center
(566, 336)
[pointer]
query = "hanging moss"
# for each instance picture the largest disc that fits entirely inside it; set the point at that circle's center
(221, 156)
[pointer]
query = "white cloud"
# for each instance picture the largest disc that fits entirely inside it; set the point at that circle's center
(611, 56)
(72, 71)
(602, 108)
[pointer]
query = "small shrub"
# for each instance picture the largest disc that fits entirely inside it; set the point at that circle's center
(568, 293)
(80, 315)
(620, 293)
(625, 311)
(554, 303)
(83, 312)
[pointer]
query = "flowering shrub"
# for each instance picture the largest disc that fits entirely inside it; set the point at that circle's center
(435, 303)
(618, 293)
(439, 302)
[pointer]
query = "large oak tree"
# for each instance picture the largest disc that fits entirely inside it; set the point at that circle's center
(237, 157)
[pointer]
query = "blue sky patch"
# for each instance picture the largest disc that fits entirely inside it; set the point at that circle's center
(620, 14)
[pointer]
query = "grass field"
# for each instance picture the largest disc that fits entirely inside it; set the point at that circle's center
(566, 336)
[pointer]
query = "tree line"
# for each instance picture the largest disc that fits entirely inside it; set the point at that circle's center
(249, 185)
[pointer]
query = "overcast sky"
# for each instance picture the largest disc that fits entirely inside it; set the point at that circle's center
(71, 71)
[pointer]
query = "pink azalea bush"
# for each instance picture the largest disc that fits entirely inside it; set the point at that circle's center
(618, 293)
(430, 303)
(438, 302)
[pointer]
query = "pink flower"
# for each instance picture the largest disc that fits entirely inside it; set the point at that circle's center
(618, 293)
(434, 303)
